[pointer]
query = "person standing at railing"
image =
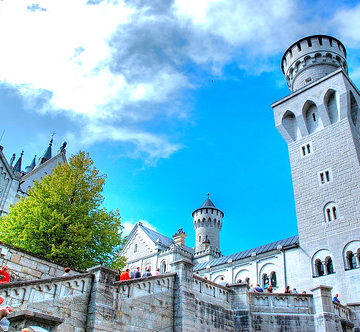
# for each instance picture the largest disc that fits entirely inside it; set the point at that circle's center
(125, 275)
(335, 299)
(269, 289)
(4, 275)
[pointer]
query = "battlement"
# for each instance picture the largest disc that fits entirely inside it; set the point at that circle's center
(312, 58)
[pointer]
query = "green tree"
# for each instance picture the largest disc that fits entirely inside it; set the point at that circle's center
(62, 219)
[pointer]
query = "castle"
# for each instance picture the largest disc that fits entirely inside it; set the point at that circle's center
(320, 122)
(15, 182)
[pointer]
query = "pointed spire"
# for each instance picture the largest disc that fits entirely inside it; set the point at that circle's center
(208, 202)
(31, 166)
(17, 167)
(12, 159)
(47, 154)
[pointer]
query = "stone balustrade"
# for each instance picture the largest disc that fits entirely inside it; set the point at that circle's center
(212, 289)
(144, 286)
(281, 303)
(20, 293)
(342, 311)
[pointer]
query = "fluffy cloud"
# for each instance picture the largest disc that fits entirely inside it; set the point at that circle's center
(114, 67)
(129, 225)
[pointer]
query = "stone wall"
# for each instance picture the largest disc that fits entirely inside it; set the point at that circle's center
(26, 266)
(65, 297)
(177, 301)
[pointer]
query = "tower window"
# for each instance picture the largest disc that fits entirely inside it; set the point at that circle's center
(305, 149)
(331, 212)
(135, 248)
(325, 176)
(314, 117)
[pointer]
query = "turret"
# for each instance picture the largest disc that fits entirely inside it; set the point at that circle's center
(312, 58)
(207, 224)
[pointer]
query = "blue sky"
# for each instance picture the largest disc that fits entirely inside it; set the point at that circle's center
(171, 99)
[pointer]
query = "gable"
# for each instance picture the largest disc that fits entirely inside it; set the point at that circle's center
(138, 246)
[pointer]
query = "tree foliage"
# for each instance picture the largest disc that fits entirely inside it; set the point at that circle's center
(62, 219)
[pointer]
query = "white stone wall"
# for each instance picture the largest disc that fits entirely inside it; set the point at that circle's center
(335, 147)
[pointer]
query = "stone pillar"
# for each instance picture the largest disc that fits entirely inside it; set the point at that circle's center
(355, 315)
(184, 303)
(240, 305)
(101, 312)
(325, 319)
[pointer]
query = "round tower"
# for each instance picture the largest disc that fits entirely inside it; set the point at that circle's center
(207, 224)
(312, 58)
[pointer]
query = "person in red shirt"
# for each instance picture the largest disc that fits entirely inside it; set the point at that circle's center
(4, 275)
(125, 275)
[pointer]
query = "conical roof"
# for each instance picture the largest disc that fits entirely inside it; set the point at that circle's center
(17, 166)
(208, 203)
(47, 154)
(31, 166)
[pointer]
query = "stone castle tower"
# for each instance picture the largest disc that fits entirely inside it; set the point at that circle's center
(320, 122)
(207, 224)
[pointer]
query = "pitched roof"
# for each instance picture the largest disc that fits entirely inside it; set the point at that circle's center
(17, 167)
(164, 240)
(47, 154)
(286, 243)
(208, 203)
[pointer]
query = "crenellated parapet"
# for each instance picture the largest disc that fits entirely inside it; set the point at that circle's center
(312, 58)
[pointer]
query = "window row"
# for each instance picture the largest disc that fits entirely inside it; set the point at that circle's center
(209, 222)
(323, 261)
(312, 121)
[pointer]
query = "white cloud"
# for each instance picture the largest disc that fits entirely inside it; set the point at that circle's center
(114, 67)
(129, 225)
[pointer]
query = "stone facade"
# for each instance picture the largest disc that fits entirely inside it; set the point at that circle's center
(175, 301)
(15, 183)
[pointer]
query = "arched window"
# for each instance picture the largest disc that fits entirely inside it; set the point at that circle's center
(273, 280)
(329, 265)
(163, 267)
(331, 101)
(290, 124)
(265, 281)
(319, 268)
(354, 110)
(331, 212)
(312, 119)
(351, 260)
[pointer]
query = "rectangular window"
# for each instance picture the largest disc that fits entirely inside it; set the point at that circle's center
(306, 149)
(325, 176)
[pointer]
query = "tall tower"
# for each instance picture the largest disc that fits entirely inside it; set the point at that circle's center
(207, 224)
(320, 122)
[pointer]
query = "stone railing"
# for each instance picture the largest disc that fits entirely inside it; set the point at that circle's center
(144, 286)
(212, 289)
(342, 311)
(18, 294)
(281, 303)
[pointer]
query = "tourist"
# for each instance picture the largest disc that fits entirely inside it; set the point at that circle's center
(136, 273)
(147, 273)
(294, 291)
(157, 272)
(269, 289)
(67, 271)
(4, 274)
(251, 288)
(223, 282)
(287, 290)
(117, 277)
(125, 275)
(335, 299)
(258, 289)
(304, 292)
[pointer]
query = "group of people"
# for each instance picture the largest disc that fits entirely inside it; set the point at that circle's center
(127, 275)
